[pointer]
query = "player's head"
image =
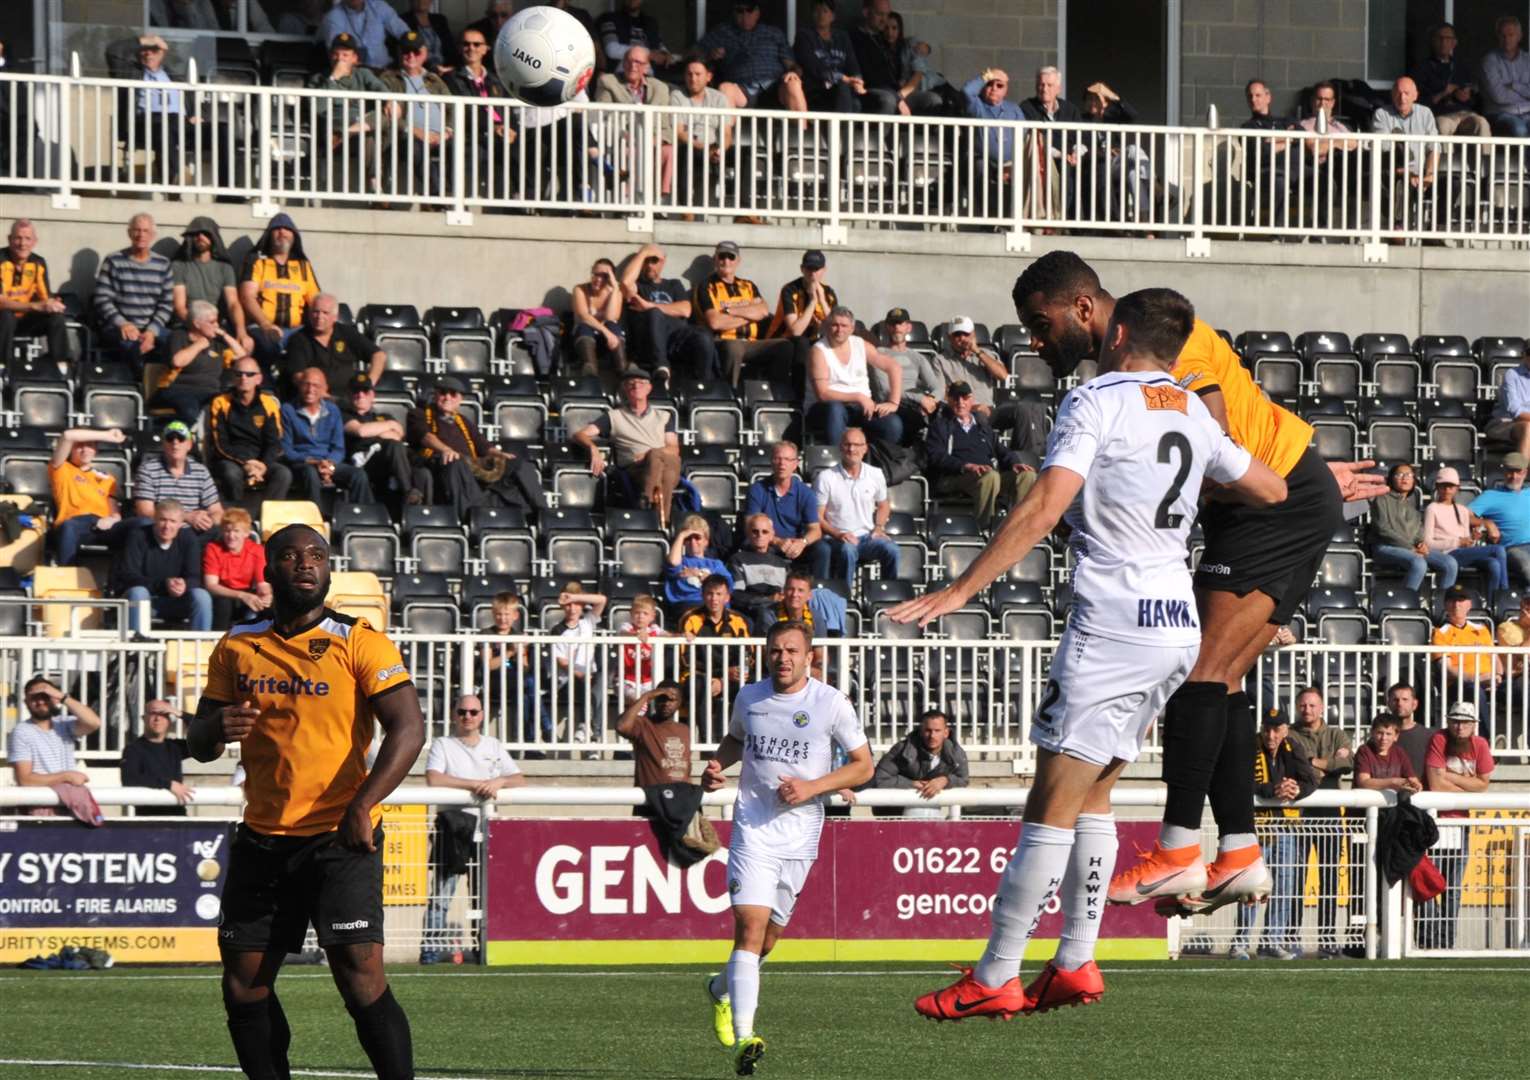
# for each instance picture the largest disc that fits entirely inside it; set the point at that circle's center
(468, 715)
(1384, 729)
(1150, 327)
(297, 568)
(934, 730)
(666, 703)
(788, 651)
(1056, 298)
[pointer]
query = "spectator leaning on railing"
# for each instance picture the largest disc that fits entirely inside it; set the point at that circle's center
(153, 760)
(927, 760)
(1412, 734)
(1458, 761)
(661, 743)
(1330, 753)
(41, 747)
(1382, 764)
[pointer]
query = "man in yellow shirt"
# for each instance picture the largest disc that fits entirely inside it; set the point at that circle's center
(84, 499)
(1463, 674)
(27, 304)
(1257, 567)
(302, 690)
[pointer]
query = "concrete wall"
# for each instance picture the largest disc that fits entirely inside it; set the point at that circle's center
(967, 36)
(512, 260)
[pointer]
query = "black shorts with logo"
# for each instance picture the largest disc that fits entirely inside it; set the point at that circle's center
(1276, 550)
(277, 885)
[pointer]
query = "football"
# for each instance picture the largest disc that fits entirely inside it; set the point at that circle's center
(543, 56)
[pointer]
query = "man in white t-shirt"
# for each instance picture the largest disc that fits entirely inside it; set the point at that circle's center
(1124, 468)
(468, 760)
(853, 509)
(784, 730)
(839, 383)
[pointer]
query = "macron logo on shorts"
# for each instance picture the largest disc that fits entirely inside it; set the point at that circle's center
(358, 924)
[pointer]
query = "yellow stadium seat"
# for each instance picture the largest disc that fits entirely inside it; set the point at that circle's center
(186, 667)
(360, 595)
(275, 514)
(66, 583)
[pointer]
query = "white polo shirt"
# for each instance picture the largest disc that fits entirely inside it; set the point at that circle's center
(850, 503)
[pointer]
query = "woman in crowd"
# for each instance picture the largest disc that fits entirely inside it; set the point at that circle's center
(1453, 530)
(1397, 534)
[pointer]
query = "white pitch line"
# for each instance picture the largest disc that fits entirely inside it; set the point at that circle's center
(61, 1063)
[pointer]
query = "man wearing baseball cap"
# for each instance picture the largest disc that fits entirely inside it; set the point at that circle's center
(351, 119)
(174, 474)
(923, 390)
(644, 443)
(803, 307)
(1508, 506)
(1464, 674)
(160, 113)
(375, 443)
(733, 309)
(369, 23)
(426, 130)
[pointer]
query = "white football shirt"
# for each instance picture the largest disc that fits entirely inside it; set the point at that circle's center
(1143, 445)
(786, 735)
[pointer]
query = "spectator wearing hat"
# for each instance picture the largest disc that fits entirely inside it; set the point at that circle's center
(375, 444)
(643, 442)
(1507, 507)
(1396, 533)
(160, 564)
(338, 349)
(1452, 530)
(244, 437)
(965, 458)
(1458, 760)
(84, 499)
(369, 23)
(660, 336)
(174, 474)
(599, 340)
(466, 469)
(313, 443)
(960, 359)
(733, 309)
(133, 298)
(202, 270)
(234, 571)
(923, 389)
(803, 307)
(1464, 674)
(198, 354)
(276, 286)
(1330, 752)
(350, 125)
(421, 134)
(431, 25)
(27, 303)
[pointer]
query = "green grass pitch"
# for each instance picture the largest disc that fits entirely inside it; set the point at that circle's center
(1202, 1018)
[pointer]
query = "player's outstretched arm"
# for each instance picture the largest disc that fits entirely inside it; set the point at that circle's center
(403, 724)
(1022, 530)
(1259, 486)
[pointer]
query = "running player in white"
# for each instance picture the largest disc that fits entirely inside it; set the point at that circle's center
(784, 730)
(1124, 468)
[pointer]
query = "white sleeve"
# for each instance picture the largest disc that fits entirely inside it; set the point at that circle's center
(881, 495)
(1075, 438)
(846, 729)
(1229, 461)
(435, 761)
(736, 721)
(507, 765)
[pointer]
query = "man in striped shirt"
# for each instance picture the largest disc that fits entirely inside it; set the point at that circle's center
(134, 297)
(172, 474)
(41, 749)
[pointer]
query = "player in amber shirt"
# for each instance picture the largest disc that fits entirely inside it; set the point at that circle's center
(1257, 566)
(302, 691)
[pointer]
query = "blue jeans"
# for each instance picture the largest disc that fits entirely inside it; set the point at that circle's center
(832, 417)
(1418, 565)
(840, 559)
(1492, 557)
(270, 350)
(436, 908)
(1515, 126)
(194, 605)
(70, 533)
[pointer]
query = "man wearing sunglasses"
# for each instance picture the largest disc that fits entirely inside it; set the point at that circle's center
(244, 437)
(733, 308)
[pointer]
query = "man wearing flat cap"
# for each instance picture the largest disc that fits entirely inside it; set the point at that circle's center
(643, 442)
(468, 470)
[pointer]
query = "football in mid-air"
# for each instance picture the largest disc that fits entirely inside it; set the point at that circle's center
(544, 56)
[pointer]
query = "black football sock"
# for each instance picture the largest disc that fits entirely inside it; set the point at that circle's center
(1193, 725)
(281, 1036)
(1232, 782)
(383, 1030)
(250, 1026)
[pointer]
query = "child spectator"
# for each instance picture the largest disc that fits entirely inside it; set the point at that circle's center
(637, 660)
(1381, 764)
(234, 571)
(509, 683)
(689, 566)
(574, 665)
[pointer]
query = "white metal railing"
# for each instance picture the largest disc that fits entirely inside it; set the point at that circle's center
(278, 144)
(545, 694)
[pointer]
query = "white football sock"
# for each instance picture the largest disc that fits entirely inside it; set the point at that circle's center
(719, 986)
(1030, 880)
(1083, 888)
(1177, 836)
(744, 989)
(1234, 841)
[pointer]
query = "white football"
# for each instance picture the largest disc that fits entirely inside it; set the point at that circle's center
(543, 55)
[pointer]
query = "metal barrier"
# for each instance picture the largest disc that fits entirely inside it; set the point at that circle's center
(278, 144)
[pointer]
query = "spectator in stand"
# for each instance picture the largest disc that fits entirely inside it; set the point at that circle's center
(661, 744)
(159, 115)
(634, 85)
(1513, 634)
(1268, 175)
(85, 505)
(1412, 736)
(585, 20)
(1326, 154)
(658, 318)
(276, 286)
(514, 695)
(27, 303)
(375, 444)
(718, 671)
(496, 14)
(839, 384)
(575, 666)
(1458, 760)
(338, 349)
(831, 73)
(425, 134)
(853, 509)
(160, 564)
(1445, 84)
(475, 77)
(887, 65)
(798, 598)
(790, 504)
(759, 574)
(174, 474)
(961, 359)
(1506, 81)
(1282, 772)
(965, 458)
(202, 270)
(1397, 536)
(619, 32)
(349, 121)
(1506, 506)
(1463, 675)
(643, 442)
(370, 23)
(637, 660)
(198, 356)
(1381, 764)
(701, 141)
(754, 61)
(802, 310)
(1510, 423)
(690, 567)
(599, 340)
(1329, 751)
(1455, 531)
(313, 444)
(927, 760)
(440, 43)
(134, 298)
(244, 433)
(987, 98)
(466, 470)
(922, 387)
(153, 760)
(1416, 169)
(1118, 165)
(1049, 151)
(41, 747)
(234, 571)
(734, 310)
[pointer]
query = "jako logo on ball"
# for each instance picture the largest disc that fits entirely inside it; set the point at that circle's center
(543, 56)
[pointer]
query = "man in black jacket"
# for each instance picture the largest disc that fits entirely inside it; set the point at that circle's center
(161, 563)
(927, 759)
(964, 457)
(244, 437)
(154, 761)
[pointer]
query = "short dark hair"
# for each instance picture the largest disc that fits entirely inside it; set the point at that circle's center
(711, 581)
(1053, 275)
(786, 626)
(930, 714)
(287, 534)
(1157, 321)
(668, 684)
(1253, 83)
(800, 575)
(34, 680)
(1403, 686)
(1386, 719)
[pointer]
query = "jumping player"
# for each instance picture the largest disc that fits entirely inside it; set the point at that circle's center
(1124, 468)
(1257, 566)
(302, 690)
(784, 730)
